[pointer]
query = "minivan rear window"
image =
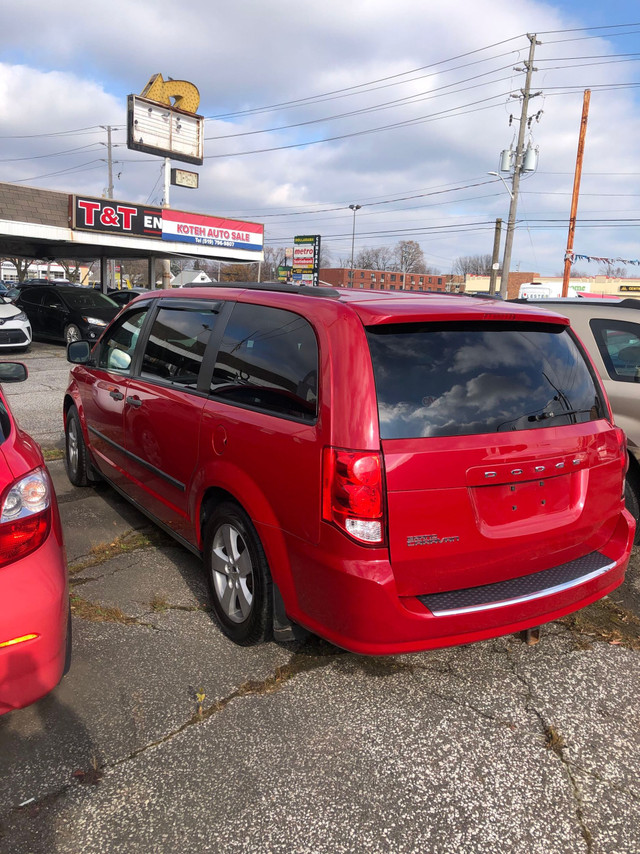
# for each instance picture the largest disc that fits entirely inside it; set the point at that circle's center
(456, 379)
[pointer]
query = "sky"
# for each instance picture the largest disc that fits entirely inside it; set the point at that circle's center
(400, 108)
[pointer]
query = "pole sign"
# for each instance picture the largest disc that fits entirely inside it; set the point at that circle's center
(107, 215)
(162, 120)
(306, 258)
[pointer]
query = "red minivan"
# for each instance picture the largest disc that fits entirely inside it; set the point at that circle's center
(392, 471)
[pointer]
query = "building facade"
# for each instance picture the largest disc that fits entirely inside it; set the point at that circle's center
(388, 280)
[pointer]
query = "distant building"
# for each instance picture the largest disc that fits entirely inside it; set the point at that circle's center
(594, 285)
(189, 278)
(388, 280)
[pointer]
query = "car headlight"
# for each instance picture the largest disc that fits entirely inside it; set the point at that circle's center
(22, 317)
(94, 321)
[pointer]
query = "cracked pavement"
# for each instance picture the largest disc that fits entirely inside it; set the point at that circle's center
(165, 736)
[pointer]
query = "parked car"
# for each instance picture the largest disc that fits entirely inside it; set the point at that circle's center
(610, 330)
(15, 329)
(392, 471)
(35, 623)
(125, 295)
(66, 313)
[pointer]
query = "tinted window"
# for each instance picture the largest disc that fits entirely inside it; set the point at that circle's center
(51, 299)
(619, 345)
(116, 351)
(268, 359)
(88, 298)
(30, 296)
(461, 379)
(176, 344)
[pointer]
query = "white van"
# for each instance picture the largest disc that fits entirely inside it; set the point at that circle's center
(550, 290)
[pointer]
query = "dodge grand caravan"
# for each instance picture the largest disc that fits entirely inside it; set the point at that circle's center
(391, 471)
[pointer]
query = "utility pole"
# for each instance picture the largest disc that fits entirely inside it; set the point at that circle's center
(109, 164)
(495, 262)
(354, 208)
(110, 267)
(576, 191)
(513, 207)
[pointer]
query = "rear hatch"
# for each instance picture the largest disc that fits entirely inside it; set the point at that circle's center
(500, 460)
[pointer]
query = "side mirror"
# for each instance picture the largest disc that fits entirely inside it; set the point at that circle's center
(13, 372)
(79, 352)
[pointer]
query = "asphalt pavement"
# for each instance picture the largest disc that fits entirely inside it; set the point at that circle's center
(165, 737)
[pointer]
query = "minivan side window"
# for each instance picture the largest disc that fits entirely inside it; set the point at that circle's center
(176, 345)
(619, 345)
(116, 351)
(268, 360)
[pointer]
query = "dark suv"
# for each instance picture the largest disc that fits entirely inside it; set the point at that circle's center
(66, 313)
(391, 471)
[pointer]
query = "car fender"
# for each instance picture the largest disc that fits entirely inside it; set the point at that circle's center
(220, 474)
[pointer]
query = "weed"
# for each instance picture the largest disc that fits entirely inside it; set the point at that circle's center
(129, 542)
(95, 613)
(553, 740)
(52, 454)
(159, 603)
(604, 621)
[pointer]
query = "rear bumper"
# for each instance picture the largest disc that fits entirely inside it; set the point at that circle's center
(35, 600)
(354, 603)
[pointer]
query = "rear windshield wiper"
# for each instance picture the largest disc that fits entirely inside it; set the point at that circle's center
(543, 416)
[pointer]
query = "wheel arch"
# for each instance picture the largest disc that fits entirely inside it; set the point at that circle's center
(270, 534)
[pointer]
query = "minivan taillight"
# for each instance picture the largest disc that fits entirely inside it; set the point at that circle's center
(353, 493)
(25, 516)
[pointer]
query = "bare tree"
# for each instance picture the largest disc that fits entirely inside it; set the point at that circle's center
(609, 269)
(574, 274)
(22, 266)
(274, 257)
(325, 254)
(240, 273)
(473, 265)
(71, 269)
(136, 270)
(408, 257)
(375, 258)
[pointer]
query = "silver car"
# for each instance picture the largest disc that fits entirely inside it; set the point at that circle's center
(610, 330)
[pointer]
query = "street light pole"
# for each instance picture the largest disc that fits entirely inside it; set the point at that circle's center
(354, 208)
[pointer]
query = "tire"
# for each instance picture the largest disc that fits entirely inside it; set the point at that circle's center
(75, 450)
(72, 333)
(632, 500)
(238, 576)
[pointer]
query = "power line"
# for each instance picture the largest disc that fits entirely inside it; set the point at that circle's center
(360, 86)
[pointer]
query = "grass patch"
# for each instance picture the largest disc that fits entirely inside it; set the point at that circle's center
(129, 542)
(52, 454)
(606, 622)
(159, 603)
(95, 613)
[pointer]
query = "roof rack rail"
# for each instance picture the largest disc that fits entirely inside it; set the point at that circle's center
(303, 290)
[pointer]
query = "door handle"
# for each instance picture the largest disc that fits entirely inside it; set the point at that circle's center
(134, 401)
(115, 394)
